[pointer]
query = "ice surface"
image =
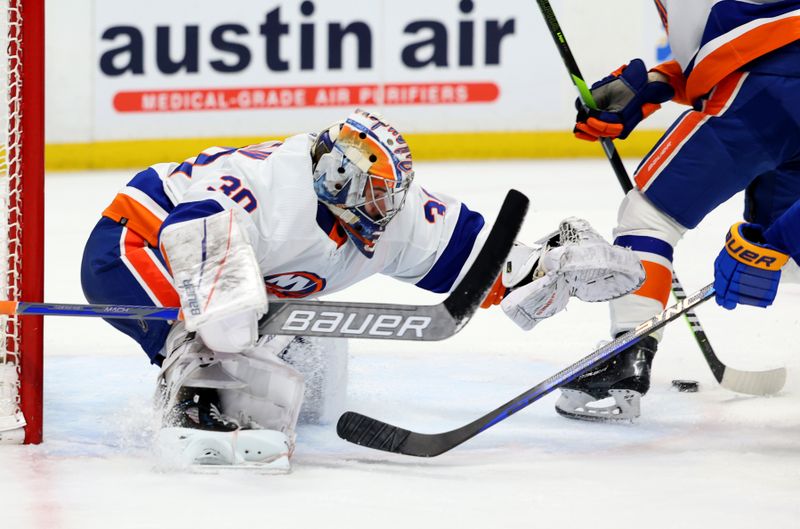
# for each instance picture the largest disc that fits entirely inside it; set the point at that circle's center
(702, 460)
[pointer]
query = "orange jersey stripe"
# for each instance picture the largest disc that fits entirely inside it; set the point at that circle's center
(147, 266)
(733, 55)
(714, 106)
(668, 146)
(138, 218)
(723, 94)
(658, 279)
(674, 74)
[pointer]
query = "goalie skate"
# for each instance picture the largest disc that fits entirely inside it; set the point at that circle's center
(592, 269)
(263, 451)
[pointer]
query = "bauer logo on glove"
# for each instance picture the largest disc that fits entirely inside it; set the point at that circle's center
(751, 253)
(747, 269)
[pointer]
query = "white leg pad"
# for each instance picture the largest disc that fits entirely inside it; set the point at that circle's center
(323, 363)
(189, 362)
(272, 392)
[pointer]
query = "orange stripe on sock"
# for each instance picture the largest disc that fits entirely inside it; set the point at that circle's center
(658, 279)
(146, 265)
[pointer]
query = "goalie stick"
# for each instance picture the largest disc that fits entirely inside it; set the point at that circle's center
(747, 382)
(349, 319)
(372, 433)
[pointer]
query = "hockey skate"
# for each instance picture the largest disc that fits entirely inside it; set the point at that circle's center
(199, 408)
(198, 435)
(263, 451)
(612, 391)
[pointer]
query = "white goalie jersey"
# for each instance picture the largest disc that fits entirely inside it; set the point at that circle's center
(300, 248)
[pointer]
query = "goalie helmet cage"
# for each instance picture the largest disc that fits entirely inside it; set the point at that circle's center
(21, 215)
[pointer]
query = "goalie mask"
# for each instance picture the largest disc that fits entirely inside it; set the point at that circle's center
(362, 172)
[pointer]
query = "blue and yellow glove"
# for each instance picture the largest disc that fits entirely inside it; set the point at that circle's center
(748, 269)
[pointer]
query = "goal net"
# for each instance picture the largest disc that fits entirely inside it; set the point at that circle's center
(21, 215)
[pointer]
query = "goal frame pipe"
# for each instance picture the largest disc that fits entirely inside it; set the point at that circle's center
(32, 211)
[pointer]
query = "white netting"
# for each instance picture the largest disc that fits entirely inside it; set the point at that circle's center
(11, 419)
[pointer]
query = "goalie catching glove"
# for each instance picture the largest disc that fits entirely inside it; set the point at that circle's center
(575, 262)
(217, 277)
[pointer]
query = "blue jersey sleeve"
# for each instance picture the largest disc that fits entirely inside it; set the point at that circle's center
(447, 268)
(784, 233)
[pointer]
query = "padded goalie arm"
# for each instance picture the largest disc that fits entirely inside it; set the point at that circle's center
(217, 277)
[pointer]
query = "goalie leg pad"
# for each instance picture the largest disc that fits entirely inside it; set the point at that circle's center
(323, 364)
(189, 363)
(272, 391)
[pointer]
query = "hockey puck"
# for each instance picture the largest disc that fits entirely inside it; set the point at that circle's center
(686, 386)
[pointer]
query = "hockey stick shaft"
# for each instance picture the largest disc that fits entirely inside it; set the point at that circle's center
(583, 89)
(770, 380)
(348, 319)
(365, 431)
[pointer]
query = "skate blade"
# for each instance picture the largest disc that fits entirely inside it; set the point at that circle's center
(276, 467)
(574, 404)
(260, 451)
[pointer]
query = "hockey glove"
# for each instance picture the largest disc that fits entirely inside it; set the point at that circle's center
(579, 262)
(622, 100)
(748, 269)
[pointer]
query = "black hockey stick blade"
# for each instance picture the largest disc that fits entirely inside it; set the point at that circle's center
(407, 322)
(372, 433)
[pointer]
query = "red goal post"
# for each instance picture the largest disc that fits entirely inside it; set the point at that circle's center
(21, 215)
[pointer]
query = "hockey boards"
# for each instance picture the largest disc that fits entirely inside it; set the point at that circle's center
(350, 320)
(372, 433)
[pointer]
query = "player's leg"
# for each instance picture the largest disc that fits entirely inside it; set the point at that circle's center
(768, 197)
(119, 267)
(705, 158)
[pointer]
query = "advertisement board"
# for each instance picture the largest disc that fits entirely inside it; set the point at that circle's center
(187, 69)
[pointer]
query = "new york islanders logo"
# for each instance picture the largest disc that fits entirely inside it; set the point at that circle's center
(294, 284)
